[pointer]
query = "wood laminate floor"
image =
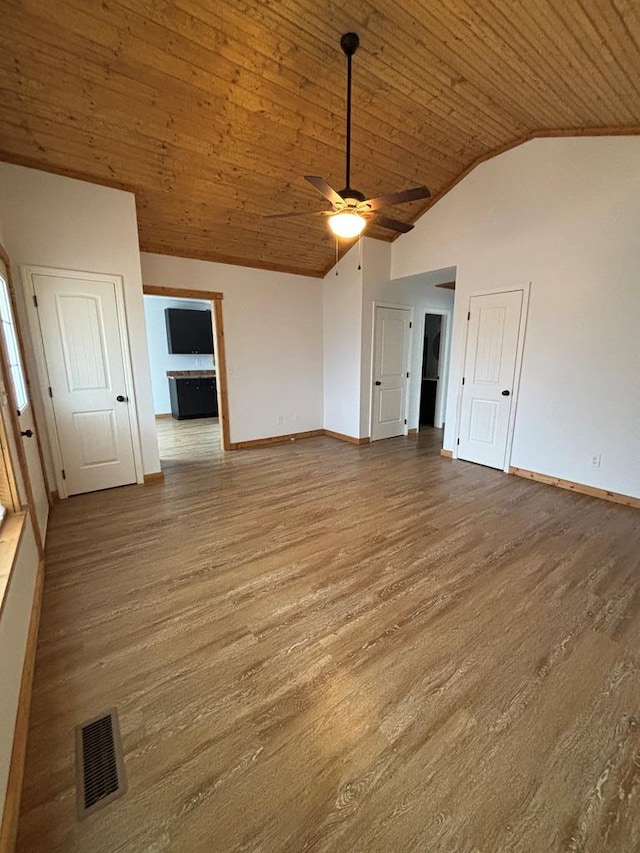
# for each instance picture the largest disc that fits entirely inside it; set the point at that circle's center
(322, 647)
(189, 442)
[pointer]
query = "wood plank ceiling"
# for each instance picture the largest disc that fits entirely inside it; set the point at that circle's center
(211, 112)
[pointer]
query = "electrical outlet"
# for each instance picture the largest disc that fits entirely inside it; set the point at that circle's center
(280, 419)
(595, 461)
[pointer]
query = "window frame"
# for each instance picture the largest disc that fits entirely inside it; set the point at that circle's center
(11, 341)
(12, 445)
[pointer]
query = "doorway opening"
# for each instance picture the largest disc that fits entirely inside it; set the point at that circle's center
(430, 376)
(186, 355)
(431, 295)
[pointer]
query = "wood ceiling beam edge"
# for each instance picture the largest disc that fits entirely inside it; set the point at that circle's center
(167, 290)
(232, 261)
(65, 172)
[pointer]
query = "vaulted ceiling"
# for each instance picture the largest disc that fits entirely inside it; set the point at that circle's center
(211, 111)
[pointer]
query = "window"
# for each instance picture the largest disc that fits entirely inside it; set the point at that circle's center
(11, 342)
(9, 498)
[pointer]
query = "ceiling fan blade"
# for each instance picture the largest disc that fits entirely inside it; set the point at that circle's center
(393, 224)
(390, 199)
(297, 213)
(323, 187)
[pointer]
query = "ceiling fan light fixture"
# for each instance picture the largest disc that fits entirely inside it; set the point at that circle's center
(347, 224)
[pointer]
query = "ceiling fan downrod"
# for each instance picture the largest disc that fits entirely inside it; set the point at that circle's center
(349, 43)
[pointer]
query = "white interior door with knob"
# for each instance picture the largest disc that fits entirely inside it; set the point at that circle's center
(81, 322)
(493, 332)
(390, 371)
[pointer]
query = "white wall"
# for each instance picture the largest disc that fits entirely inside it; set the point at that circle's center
(14, 629)
(563, 214)
(342, 312)
(53, 221)
(273, 338)
(15, 616)
(160, 358)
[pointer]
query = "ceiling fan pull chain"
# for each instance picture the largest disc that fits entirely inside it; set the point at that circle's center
(360, 252)
(336, 254)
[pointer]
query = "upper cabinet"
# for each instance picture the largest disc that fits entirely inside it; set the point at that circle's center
(189, 332)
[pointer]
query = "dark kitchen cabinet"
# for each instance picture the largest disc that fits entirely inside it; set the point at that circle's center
(188, 331)
(193, 398)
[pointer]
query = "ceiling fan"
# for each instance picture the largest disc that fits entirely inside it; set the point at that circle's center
(350, 210)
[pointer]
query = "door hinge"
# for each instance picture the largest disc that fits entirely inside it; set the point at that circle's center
(458, 441)
(410, 324)
(463, 380)
(405, 421)
(64, 474)
(468, 315)
(50, 391)
(35, 300)
(407, 374)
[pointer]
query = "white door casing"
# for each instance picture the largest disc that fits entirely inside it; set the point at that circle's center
(493, 337)
(26, 420)
(445, 353)
(390, 368)
(83, 358)
(34, 466)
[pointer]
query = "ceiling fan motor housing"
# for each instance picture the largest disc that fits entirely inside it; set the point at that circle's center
(351, 197)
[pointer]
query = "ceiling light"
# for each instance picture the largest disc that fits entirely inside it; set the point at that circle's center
(347, 224)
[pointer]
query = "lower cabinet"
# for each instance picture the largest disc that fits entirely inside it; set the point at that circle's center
(193, 398)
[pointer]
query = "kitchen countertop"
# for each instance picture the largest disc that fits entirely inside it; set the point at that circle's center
(191, 374)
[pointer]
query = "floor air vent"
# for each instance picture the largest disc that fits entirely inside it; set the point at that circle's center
(99, 764)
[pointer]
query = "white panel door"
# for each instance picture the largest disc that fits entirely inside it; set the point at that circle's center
(390, 367)
(492, 344)
(84, 356)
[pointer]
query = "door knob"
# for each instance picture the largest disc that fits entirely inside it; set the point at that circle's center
(378, 382)
(122, 399)
(506, 393)
(27, 433)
